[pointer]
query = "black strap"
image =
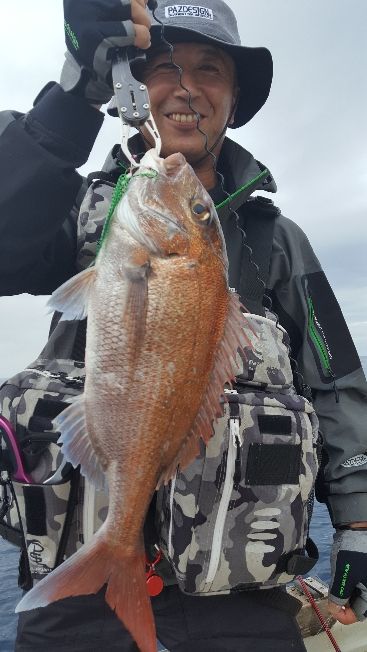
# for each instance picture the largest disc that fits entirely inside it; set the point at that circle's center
(297, 562)
(257, 220)
(259, 230)
(72, 503)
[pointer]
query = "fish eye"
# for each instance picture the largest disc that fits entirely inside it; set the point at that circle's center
(201, 211)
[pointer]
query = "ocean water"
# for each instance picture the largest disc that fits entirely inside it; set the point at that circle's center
(321, 532)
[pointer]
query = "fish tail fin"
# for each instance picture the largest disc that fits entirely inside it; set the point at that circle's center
(73, 577)
(128, 597)
(87, 571)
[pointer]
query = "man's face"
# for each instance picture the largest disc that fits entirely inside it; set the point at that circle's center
(209, 74)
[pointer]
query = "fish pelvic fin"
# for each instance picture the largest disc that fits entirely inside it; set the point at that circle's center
(223, 373)
(72, 297)
(94, 565)
(76, 444)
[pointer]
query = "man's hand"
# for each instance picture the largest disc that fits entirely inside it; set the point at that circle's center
(348, 586)
(93, 30)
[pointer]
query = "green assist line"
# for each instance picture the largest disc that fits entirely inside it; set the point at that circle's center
(120, 189)
(324, 356)
(253, 182)
(122, 185)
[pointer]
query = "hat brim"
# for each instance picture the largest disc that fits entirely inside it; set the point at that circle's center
(254, 68)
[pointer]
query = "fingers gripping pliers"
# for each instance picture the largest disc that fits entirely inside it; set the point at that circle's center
(132, 98)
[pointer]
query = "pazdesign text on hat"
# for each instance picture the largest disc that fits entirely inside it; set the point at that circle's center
(189, 11)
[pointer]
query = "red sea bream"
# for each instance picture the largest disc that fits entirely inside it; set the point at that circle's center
(163, 333)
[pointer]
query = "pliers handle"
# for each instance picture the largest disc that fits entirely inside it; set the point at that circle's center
(132, 97)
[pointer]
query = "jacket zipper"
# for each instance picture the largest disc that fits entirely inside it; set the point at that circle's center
(317, 339)
(170, 531)
(77, 381)
(232, 477)
(320, 345)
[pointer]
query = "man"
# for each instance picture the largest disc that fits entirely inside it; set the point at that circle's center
(222, 84)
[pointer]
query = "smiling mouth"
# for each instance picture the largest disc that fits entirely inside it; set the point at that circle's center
(185, 118)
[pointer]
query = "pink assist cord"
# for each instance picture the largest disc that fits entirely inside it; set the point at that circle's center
(321, 618)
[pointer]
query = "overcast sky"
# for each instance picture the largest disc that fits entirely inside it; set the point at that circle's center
(311, 134)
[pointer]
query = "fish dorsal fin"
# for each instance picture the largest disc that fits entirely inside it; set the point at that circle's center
(223, 372)
(76, 444)
(72, 297)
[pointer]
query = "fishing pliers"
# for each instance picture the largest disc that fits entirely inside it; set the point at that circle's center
(132, 98)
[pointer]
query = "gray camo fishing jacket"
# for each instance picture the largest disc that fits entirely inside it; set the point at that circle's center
(40, 196)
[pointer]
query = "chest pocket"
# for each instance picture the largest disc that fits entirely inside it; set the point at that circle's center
(238, 516)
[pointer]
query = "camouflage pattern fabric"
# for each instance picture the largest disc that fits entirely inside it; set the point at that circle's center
(93, 212)
(54, 377)
(42, 532)
(254, 519)
(231, 518)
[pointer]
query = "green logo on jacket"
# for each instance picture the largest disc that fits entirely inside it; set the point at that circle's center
(69, 32)
(344, 580)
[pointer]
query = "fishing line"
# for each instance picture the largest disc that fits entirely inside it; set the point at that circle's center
(208, 151)
(187, 90)
(120, 189)
(267, 301)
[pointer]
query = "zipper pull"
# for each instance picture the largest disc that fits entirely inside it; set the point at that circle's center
(236, 440)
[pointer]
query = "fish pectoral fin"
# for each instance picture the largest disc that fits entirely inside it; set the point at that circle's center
(76, 444)
(136, 267)
(72, 297)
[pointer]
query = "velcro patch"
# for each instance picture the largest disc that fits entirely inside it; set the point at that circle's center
(189, 11)
(273, 464)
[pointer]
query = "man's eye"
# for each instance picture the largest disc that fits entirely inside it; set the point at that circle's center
(161, 67)
(209, 68)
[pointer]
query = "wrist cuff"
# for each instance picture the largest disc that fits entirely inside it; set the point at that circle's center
(347, 508)
(359, 606)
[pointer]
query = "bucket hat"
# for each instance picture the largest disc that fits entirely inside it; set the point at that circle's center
(212, 21)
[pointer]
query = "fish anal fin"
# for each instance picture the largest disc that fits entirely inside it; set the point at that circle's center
(76, 444)
(72, 297)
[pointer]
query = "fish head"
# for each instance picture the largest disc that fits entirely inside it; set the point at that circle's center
(168, 211)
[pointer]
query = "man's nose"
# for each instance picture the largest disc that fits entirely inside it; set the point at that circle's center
(187, 84)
